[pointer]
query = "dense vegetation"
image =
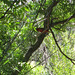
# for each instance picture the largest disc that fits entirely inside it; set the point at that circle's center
(24, 50)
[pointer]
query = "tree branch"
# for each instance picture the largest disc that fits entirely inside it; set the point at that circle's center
(34, 47)
(10, 43)
(63, 21)
(50, 8)
(41, 62)
(41, 37)
(60, 48)
(8, 9)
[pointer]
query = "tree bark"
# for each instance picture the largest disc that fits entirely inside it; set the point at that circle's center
(34, 47)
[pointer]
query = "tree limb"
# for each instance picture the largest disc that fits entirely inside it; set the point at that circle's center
(41, 37)
(60, 48)
(63, 21)
(41, 62)
(50, 8)
(34, 47)
(10, 43)
(8, 9)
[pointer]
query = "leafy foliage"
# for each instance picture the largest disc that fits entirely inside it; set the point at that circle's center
(18, 22)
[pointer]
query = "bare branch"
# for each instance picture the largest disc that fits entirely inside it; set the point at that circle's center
(60, 48)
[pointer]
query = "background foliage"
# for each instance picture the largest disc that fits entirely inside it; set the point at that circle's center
(18, 22)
